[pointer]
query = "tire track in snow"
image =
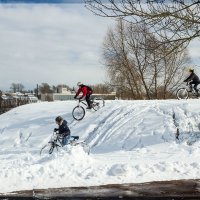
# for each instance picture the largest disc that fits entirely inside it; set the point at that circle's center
(92, 135)
(158, 110)
(114, 119)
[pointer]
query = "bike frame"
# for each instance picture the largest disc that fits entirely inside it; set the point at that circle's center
(57, 138)
(81, 101)
(193, 90)
(73, 141)
(79, 111)
(93, 103)
(56, 142)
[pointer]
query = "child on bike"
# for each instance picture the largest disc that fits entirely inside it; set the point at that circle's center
(62, 130)
(86, 93)
(194, 79)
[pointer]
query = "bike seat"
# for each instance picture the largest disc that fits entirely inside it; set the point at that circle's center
(75, 137)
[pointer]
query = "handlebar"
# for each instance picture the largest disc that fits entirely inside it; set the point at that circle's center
(56, 135)
(186, 82)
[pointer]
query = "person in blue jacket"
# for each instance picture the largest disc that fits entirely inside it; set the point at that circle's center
(62, 130)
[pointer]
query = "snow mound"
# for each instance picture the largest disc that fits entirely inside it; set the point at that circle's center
(130, 141)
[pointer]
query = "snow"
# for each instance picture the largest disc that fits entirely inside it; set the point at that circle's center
(131, 142)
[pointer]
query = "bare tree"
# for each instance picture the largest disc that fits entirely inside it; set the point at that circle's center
(101, 89)
(136, 65)
(17, 87)
(64, 86)
(120, 68)
(45, 88)
(178, 18)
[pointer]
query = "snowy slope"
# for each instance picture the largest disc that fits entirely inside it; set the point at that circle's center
(131, 142)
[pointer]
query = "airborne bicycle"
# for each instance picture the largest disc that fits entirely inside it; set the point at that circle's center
(185, 93)
(78, 112)
(56, 143)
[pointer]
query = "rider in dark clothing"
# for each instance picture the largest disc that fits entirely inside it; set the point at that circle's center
(194, 79)
(86, 92)
(63, 130)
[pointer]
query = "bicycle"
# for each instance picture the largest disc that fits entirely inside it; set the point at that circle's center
(185, 93)
(56, 142)
(78, 112)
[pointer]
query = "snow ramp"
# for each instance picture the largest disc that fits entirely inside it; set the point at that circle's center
(127, 125)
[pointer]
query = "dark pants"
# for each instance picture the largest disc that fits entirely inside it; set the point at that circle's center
(195, 85)
(87, 98)
(65, 138)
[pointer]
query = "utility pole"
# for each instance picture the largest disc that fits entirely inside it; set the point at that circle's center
(37, 91)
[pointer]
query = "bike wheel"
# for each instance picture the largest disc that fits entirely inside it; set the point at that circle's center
(98, 103)
(182, 93)
(51, 149)
(78, 113)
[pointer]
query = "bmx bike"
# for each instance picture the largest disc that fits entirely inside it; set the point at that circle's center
(185, 93)
(56, 143)
(78, 112)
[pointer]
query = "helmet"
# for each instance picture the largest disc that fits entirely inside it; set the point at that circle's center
(191, 69)
(79, 84)
(58, 119)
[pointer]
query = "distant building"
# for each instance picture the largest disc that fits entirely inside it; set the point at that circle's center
(30, 98)
(64, 95)
(63, 90)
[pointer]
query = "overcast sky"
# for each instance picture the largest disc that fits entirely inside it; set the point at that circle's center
(53, 43)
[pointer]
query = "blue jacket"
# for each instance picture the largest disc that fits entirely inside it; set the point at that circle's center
(64, 129)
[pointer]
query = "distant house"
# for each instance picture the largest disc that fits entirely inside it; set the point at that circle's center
(32, 98)
(6, 97)
(29, 97)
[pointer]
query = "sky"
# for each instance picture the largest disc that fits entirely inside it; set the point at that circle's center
(54, 43)
(50, 43)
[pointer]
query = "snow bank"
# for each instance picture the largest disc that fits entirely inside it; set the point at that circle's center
(131, 142)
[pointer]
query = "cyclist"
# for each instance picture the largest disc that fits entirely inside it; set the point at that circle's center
(194, 79)
(63, 130)
(86, 93)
